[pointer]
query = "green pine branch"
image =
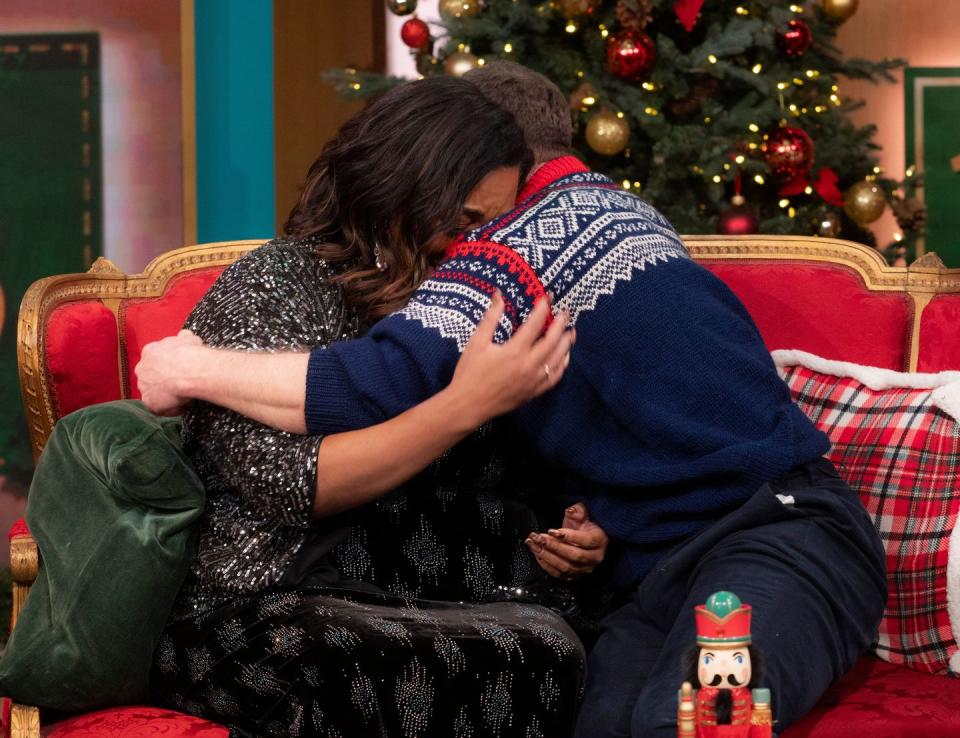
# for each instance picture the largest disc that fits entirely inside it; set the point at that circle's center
(698, 123)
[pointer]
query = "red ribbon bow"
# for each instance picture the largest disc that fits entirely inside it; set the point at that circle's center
(687, 12)
(825, 185)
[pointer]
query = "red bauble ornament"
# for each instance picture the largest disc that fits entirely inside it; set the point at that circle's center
(739, 220)
(796, 39)
(630, 55)
(788, 151)
(415, 33)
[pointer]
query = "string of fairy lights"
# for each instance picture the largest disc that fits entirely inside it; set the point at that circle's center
(787, 150)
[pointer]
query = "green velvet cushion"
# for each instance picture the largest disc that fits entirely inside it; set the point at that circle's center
(114, 508)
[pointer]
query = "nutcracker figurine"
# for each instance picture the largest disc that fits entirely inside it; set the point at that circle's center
(725, 668)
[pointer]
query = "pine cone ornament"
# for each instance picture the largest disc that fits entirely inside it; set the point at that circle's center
(634, 14)
(911, 214)
(684, 108)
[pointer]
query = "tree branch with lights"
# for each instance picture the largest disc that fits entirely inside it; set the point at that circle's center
(727, 116)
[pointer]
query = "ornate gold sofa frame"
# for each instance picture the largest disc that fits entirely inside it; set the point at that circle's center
(917, 285)
(108, 284)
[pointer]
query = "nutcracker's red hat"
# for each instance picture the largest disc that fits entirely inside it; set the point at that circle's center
(723, 622)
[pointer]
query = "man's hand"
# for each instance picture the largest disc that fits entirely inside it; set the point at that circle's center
(574, 549)
(161, 369)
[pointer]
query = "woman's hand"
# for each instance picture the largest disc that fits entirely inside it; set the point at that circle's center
(574, 549)
(496, 379)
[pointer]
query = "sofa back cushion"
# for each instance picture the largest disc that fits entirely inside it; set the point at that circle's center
(92, 345)
(147, 319)
(91, 349)
(81, 355)
(825, 309)
(896, 440)
(940, 334)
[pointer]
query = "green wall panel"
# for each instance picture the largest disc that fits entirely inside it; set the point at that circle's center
(932, 104)
(50, 188)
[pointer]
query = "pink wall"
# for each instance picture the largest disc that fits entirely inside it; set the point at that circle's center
(140, 87)
(924, 32)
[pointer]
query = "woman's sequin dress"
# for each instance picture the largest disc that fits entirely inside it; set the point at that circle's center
(407, 617)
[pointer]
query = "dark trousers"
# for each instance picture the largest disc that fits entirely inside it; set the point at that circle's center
(813, 570)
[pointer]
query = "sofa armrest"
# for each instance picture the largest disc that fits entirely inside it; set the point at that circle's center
(24, 566)
(24, 721)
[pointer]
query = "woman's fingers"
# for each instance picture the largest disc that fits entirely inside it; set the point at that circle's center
(547, 567)
(501, 378)
(547, 557)
(544, 356)
(575, 516)
(590, 539)
(487, 326)
(528, 333)
(559, 358)
(552, 337)
(580, 553)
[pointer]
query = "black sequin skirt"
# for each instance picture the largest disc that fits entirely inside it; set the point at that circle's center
(345, 664)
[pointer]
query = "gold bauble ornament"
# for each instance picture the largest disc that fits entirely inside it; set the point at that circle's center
(608, 133)
(829, 225)
(864, 203)
(576, 9)
(583, 97)
(459, 63)
(839, 10)
(451, 9)
(402, 7)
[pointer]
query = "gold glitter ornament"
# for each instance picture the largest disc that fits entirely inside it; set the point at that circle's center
(402, 7)
(864, 203)
(576, 9)
(459, 63)
(608, 133)
(829, 225)
(839, 10)
(455, 9)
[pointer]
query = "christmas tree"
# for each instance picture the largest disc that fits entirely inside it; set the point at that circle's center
(727, 116)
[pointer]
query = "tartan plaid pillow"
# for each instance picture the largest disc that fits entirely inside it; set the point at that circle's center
(896, 440)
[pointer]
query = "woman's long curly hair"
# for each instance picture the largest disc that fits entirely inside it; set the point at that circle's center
(396, 176)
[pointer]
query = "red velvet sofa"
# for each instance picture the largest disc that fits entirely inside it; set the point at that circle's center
(79, 337)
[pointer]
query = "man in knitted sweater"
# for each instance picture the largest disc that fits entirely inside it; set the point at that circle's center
(671, 423)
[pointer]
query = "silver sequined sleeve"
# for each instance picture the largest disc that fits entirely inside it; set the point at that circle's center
(277, 298)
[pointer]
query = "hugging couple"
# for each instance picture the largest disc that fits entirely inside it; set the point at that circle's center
(424, 412)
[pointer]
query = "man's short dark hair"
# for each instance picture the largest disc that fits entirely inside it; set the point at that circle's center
(539, 106)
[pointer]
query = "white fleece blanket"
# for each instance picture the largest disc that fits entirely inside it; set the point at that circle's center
(945, 394)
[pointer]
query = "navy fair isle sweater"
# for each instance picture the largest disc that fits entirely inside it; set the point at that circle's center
(671, 413)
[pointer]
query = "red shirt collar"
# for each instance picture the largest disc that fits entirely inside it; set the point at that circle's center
(549, 173)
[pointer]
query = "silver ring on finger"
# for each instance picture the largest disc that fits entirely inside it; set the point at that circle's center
(546, 370)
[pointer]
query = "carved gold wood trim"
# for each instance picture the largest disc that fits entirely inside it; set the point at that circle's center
(920, 302)
(929, 276)
(24, 566)
(24, 721)
(103, 282)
